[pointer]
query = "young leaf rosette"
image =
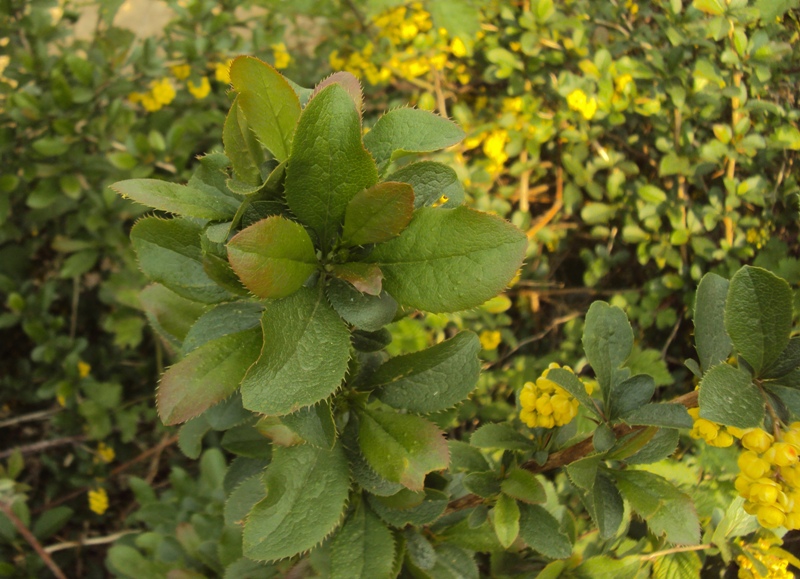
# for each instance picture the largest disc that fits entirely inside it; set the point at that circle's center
(286, 257)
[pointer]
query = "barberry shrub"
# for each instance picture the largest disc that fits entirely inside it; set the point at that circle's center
(287, 257)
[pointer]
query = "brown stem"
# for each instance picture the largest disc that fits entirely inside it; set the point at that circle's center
(5, 508)
(551, 213)
(44, 445)
(524, 184)
(657, 554)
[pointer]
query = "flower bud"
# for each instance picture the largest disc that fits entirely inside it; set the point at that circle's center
(751, 465)
(757, 440)
(722, 440)
(770, 516)
(781, 454)
(764, 491)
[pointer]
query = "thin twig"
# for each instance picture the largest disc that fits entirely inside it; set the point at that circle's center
(33, 416)
(44, 445)
(671, 337)
(88, 542)
(5, 508)
(554, 209)
(536, 337)
(441, 103)
(76, 296)
(657, 554)
(524, 183)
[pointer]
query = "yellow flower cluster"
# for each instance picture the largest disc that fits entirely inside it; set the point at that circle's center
(711, 432)
(578, 101)
(545, 404)
(769, 476)
(98, 501)
(777, 566)
(161, 93)
(412, 46)
(281, 55)
(199, 91)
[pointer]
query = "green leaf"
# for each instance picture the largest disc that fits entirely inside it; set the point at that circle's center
(583, 472)
(378, 214)
(304, 357)
(273, 257)
(483, 484)
(241, 147)
(461, 19)
(370, 341)
(607, 341)
(221, 320)
(523, 486)
(419, 550)
(499, 436)
(506, 520)
(268, 102)
(603, 437)
(243, 498)
(540, 531)
(403, 131)
(364, 311)
(424, 267)
(171, 315)
(665, 508)
(430, 380)
(712, 7)
(180, 199)
(307, 490)
(660, 446)
(607, 507)
(431, 181)
(51, 521)
(190, 436)
(758, 315)
(728, 396)
(663, 414)
(207, 376)
(572, 384)
(677, 566)
(788, 361)
(425, 513)
(629, 395)
(329, 164)
(365, 277)
(711, 339)
(348, 82)
(606, 567)
(402, 448)
(453, 562)
(363, 547)
(313, 424)
(169, 253)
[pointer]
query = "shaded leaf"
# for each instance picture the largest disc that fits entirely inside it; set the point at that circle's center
(304, 357)
(206, 376)
(711, 339)
(365, 277)
(307, 490)
(378, 214)
(180, 199)
(540, 531)
(402, 447)
(431, 181)
(363, 547)
(430, 380)
(364, 311)
(728, 396)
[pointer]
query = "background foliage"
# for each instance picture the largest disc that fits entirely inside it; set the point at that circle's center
(640, 145)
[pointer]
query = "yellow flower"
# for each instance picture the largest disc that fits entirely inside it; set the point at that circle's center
(458, 48)
(545, 404)
(106, 453)
(181, 71)
(494, 146)
(98, 501)
(282, 58)
(222, 71)
(199, 91)
(578, 101)
(621, 82)
(490, 339)
(162, 91)
(83, 369)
